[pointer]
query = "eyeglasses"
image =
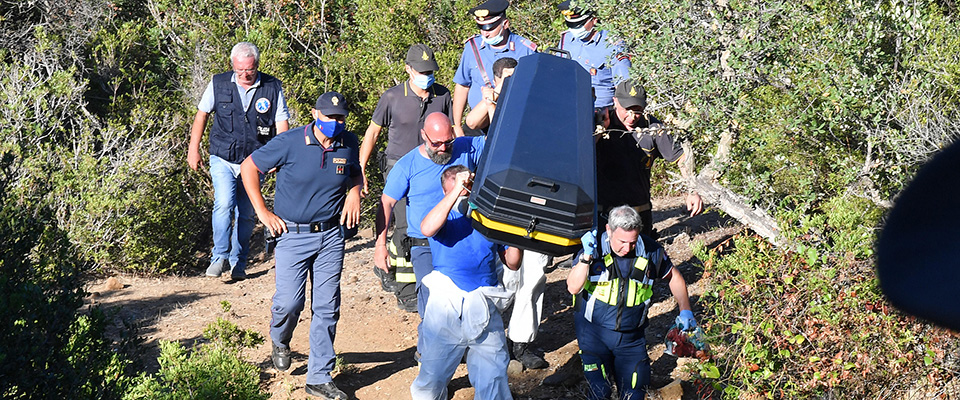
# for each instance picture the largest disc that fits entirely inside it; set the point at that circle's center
(632, 113)
(245, 71)
(490, 25)
(437, 145)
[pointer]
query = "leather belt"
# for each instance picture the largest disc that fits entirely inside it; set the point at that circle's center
(314, 227)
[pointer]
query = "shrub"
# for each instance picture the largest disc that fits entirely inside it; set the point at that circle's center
(215, 370)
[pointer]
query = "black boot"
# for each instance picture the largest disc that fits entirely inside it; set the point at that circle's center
(524, 353)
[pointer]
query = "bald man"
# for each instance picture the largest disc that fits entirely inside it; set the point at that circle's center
(416, 176)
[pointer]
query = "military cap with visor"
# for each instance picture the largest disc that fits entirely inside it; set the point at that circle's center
(331, 103)
(630, 94)
(489, 9)
(574, 16)
(421, 59)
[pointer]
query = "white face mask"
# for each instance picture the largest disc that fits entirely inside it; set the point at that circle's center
(579, 33)
(462, 205)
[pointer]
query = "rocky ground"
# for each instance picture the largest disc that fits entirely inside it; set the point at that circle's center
(377, 340)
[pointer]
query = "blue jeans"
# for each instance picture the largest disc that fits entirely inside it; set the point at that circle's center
(318, 256)
(231, 239)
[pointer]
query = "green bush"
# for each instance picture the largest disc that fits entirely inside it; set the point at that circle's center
(48, 349)
(215, 370)
(803, 325)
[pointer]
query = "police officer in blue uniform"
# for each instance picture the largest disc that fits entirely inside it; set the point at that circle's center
(612, 284)
(249, 109)
(317, 199)
(595, 50)
(495, 41)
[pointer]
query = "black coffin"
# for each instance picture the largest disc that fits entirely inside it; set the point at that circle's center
(536, 183)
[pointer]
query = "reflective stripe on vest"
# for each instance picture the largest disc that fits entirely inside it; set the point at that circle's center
(404, 267)
(607, 291)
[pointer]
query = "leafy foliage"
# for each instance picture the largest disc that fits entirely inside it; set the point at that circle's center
(215, 370)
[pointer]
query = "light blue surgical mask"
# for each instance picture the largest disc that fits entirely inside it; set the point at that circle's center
(493, 41)
(423, 81)
(331, 129)
(579, 33)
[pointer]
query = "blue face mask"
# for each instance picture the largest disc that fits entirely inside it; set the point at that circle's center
(423, 81)
(330, 129)
(493, 41)
(579, 33)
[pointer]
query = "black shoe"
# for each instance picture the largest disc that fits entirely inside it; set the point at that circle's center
(326, 390)
(565, 264)
(387, 281)
(526, 356)
(407, 304)
(281, 358)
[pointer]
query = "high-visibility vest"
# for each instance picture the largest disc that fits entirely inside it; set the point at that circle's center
(620, 302)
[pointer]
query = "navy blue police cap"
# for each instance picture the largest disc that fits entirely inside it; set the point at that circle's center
(489, 8)
(331, 103)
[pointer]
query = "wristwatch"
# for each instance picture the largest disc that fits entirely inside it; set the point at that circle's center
(585, 260)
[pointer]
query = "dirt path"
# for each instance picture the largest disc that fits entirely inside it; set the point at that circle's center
(377, 339)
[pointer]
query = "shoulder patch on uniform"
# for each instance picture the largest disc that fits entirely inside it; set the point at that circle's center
(622, 56)
(531, 45)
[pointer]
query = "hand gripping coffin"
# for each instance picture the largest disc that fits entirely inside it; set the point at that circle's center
(536, 182)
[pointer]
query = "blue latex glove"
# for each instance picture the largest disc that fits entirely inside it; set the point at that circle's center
(685, 321)
(589, 242)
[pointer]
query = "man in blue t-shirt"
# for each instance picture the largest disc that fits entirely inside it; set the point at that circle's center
(463, 310)
(416, 176)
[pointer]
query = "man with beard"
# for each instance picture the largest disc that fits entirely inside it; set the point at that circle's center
(416, 176)
(625, 155)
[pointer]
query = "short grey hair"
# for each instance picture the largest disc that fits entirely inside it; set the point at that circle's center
(244, 50)
(624, 217)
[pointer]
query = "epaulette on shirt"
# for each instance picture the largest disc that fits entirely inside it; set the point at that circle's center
(622, 56)
(469, 39)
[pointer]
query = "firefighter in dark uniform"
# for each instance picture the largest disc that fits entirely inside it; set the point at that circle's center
(249, 109)
(612, 284)
(317, 200)
(402, 109)
(625, 154)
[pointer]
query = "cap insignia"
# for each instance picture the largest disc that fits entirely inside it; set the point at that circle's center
(425, 57)
(335, 100)
(633, 91)
(481, 13)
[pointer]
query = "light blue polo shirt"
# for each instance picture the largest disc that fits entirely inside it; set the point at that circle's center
(418, 179)
(468, 73)
(604, 61)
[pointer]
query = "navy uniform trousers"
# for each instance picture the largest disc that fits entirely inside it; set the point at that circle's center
(609, 355)
(318, 256)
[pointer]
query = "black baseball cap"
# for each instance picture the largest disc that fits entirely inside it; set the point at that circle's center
(629, 94)
(489, 8)
(331, 103)
(421, 59)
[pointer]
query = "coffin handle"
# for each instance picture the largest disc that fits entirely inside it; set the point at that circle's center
(545, 183)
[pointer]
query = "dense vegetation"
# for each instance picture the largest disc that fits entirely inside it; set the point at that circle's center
(829, 108)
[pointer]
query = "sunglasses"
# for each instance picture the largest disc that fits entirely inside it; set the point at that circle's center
(490, 25)
(437, 145)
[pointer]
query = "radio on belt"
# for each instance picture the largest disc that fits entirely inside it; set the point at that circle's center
(535, 186)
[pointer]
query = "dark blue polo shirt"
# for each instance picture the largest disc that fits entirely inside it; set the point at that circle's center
(313, 181)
